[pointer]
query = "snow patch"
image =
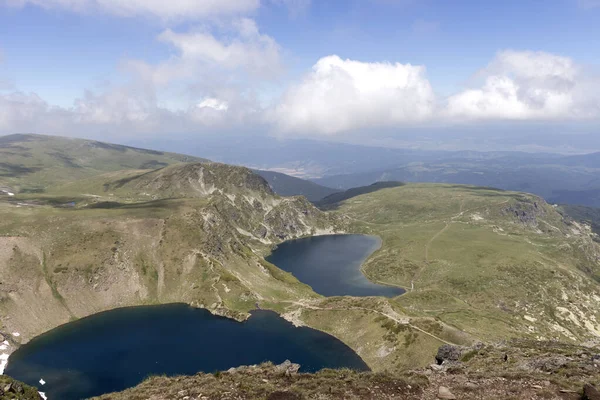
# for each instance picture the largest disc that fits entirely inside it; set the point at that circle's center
(43, 395)
(16, 334)
(3, 362)
(227, 290)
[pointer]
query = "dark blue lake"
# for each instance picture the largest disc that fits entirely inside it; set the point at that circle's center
(117, 349)
(331, 264)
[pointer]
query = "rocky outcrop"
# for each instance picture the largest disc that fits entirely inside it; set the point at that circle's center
(449, 353)
(11, 389)
(526, 211)
(480, 371)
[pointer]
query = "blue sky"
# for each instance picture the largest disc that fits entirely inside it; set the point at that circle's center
(151, 67)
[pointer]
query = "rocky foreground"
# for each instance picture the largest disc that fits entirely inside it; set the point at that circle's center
(511, 370)
(11, 389)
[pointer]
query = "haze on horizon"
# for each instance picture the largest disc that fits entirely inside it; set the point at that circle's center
(422, 74)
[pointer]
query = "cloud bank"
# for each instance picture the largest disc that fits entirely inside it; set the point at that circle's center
(524, 85)
(341, 95)
(218, 70)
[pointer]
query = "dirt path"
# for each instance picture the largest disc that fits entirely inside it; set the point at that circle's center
(396, 318)
(428, 245)
(430, 242)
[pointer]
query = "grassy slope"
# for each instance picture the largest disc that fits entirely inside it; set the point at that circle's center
(40, 162)
(35, 162)
(494, 264)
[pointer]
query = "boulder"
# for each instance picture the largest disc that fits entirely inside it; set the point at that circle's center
(448, 353)
(590, 392)
(287, 368)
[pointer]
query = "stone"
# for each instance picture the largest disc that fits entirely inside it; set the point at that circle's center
(287, 368)
(445, 393)
(590, 392)
(448, 353)
(436, 367)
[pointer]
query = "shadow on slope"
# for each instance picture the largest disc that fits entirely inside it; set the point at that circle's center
(332, 201)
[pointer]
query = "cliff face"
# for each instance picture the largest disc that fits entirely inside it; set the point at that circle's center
(202, 242)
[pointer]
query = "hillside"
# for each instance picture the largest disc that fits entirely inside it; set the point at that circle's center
(494, 264)
(511, 370)
(478, 264)
(285, 185)
(191, 233)
(32, 163)
(586, 215)
(38, 163)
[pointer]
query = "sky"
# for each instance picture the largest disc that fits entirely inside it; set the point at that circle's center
(393, 72)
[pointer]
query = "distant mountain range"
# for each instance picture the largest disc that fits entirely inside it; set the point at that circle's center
(573, 179)
(286, 185)
(559, 179)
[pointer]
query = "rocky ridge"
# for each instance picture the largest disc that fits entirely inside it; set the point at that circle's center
(508, 370)
(201, 243)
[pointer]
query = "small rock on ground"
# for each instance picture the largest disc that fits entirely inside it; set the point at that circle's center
(445, 393)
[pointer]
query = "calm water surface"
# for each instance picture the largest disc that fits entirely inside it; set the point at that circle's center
(118, 349)
(331, 264)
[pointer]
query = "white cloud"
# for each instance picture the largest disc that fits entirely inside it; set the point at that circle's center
(342, 95)
(525, 85)
(213, 103)
(239, 47)
(119, 111)
(248, 49)
(337, 97)
(163, 9)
